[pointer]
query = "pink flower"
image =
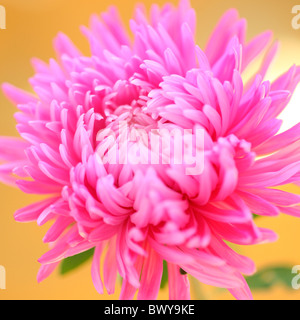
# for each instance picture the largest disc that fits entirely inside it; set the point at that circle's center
(139, 214)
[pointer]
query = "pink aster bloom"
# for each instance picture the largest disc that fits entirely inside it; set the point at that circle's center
(139, 215)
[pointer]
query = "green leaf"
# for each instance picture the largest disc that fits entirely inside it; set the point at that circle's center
(164, 278)
(255, 216)
(269, 277)
(71, 263)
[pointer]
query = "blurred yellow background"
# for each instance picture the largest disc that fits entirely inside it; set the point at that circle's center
(31, 27)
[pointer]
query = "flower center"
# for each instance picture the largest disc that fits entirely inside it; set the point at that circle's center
(126, 102)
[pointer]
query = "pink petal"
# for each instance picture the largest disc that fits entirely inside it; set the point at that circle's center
(151, 276)
(95, 271)
(179, 287)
